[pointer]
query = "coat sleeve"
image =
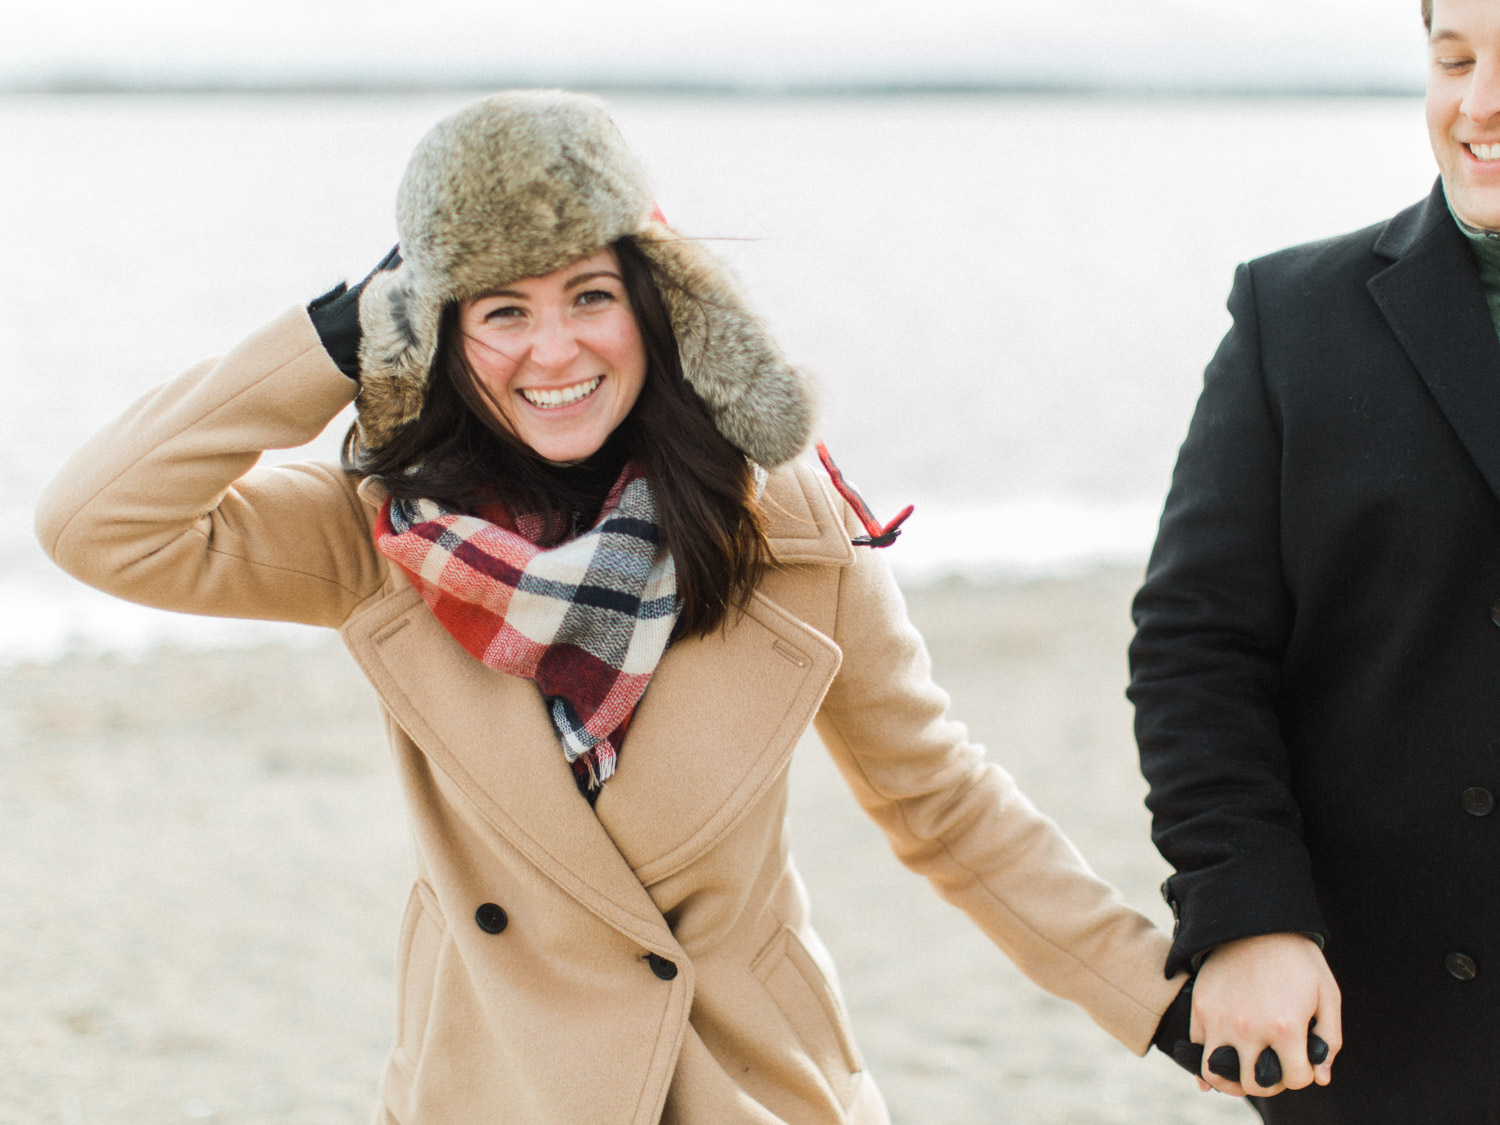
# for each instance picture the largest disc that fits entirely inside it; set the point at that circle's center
(1213, 619)
(960, 821)
(165, 506)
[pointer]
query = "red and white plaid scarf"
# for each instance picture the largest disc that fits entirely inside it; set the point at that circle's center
(587, 620)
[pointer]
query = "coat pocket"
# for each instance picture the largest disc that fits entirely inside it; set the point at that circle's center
(812, 1008)
(422, 938)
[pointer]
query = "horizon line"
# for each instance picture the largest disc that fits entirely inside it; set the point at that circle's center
(688, 87)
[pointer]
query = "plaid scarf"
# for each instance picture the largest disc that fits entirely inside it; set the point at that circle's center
(587, 620)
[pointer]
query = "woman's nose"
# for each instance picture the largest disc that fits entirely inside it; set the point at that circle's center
(554, 344)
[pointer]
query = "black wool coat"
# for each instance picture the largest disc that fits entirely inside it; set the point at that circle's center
(1316, 671)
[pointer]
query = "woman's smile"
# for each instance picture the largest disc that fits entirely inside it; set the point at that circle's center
(552, 398)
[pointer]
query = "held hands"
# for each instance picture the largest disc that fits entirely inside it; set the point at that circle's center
(1225, 1061)
(1262, 993)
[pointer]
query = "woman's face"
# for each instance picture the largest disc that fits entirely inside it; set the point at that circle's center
(559, 357)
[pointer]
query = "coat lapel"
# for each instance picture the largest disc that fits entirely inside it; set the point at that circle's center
(713, 732)
(1431, 297)
(490, 733)
(723, 713)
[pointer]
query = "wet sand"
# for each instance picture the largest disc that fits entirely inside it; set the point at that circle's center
(203, 862)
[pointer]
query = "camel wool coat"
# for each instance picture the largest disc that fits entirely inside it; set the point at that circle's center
(653, 961)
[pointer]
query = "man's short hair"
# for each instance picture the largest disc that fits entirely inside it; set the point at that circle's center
(1427, 14)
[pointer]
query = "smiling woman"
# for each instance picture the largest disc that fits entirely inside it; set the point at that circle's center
(573, 549)
(559, 358)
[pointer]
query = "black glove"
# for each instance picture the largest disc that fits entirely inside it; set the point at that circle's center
(1173, 1034)
(1225, 1061)
(336, 317)
(1173, 1037)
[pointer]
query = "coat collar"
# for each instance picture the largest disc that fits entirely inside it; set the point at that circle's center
(804, 518)
(1431, 297)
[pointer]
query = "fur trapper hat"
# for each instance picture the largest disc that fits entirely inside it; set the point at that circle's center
(520, 184)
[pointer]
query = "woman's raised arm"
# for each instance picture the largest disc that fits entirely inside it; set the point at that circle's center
(164, 506)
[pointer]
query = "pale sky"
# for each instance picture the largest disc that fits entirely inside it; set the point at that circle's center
(1162, 44)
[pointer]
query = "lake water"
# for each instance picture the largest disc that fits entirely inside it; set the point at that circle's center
(1008, 300)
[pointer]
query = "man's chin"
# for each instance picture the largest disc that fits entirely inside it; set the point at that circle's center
(1477, 207)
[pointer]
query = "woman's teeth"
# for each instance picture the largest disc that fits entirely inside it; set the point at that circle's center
(1485, 152)
(566, 396)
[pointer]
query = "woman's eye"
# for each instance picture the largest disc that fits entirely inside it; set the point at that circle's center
(595, 297)
(503, 312)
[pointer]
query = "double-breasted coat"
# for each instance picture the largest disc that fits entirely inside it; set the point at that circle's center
(648, 959)
(1316, 671)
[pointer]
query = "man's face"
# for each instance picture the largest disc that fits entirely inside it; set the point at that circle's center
(1463, 106)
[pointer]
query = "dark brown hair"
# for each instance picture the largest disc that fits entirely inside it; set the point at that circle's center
(457, 453)
(1427, 14)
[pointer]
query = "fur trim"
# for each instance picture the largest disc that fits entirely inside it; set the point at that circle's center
(520, 184)
(395, 356)
(757, 400)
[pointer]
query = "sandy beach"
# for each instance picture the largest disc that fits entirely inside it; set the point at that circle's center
(203, 862)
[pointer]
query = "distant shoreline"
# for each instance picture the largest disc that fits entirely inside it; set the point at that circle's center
(57, 619)
(86, 86)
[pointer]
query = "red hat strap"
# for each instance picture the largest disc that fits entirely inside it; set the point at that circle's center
(876, 533)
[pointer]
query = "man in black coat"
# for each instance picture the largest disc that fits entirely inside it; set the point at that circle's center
(1316, 671)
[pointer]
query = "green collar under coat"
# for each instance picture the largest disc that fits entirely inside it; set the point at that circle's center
(1486, 247)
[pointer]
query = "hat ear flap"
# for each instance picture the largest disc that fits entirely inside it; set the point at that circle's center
(759, 401)
(398, 342)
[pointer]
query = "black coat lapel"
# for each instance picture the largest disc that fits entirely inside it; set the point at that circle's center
(1432, 300)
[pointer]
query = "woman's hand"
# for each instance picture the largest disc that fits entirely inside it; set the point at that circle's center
(336, 317)
(1262, 992)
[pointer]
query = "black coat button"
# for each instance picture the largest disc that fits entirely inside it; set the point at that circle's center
(661, 966)
(1460, 967)
(1478, 802)
(491, 918)
(1495, 612)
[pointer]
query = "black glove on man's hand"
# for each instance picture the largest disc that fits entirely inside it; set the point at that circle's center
(336, 317)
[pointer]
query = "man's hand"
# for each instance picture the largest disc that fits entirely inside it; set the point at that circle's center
(1262, 992)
